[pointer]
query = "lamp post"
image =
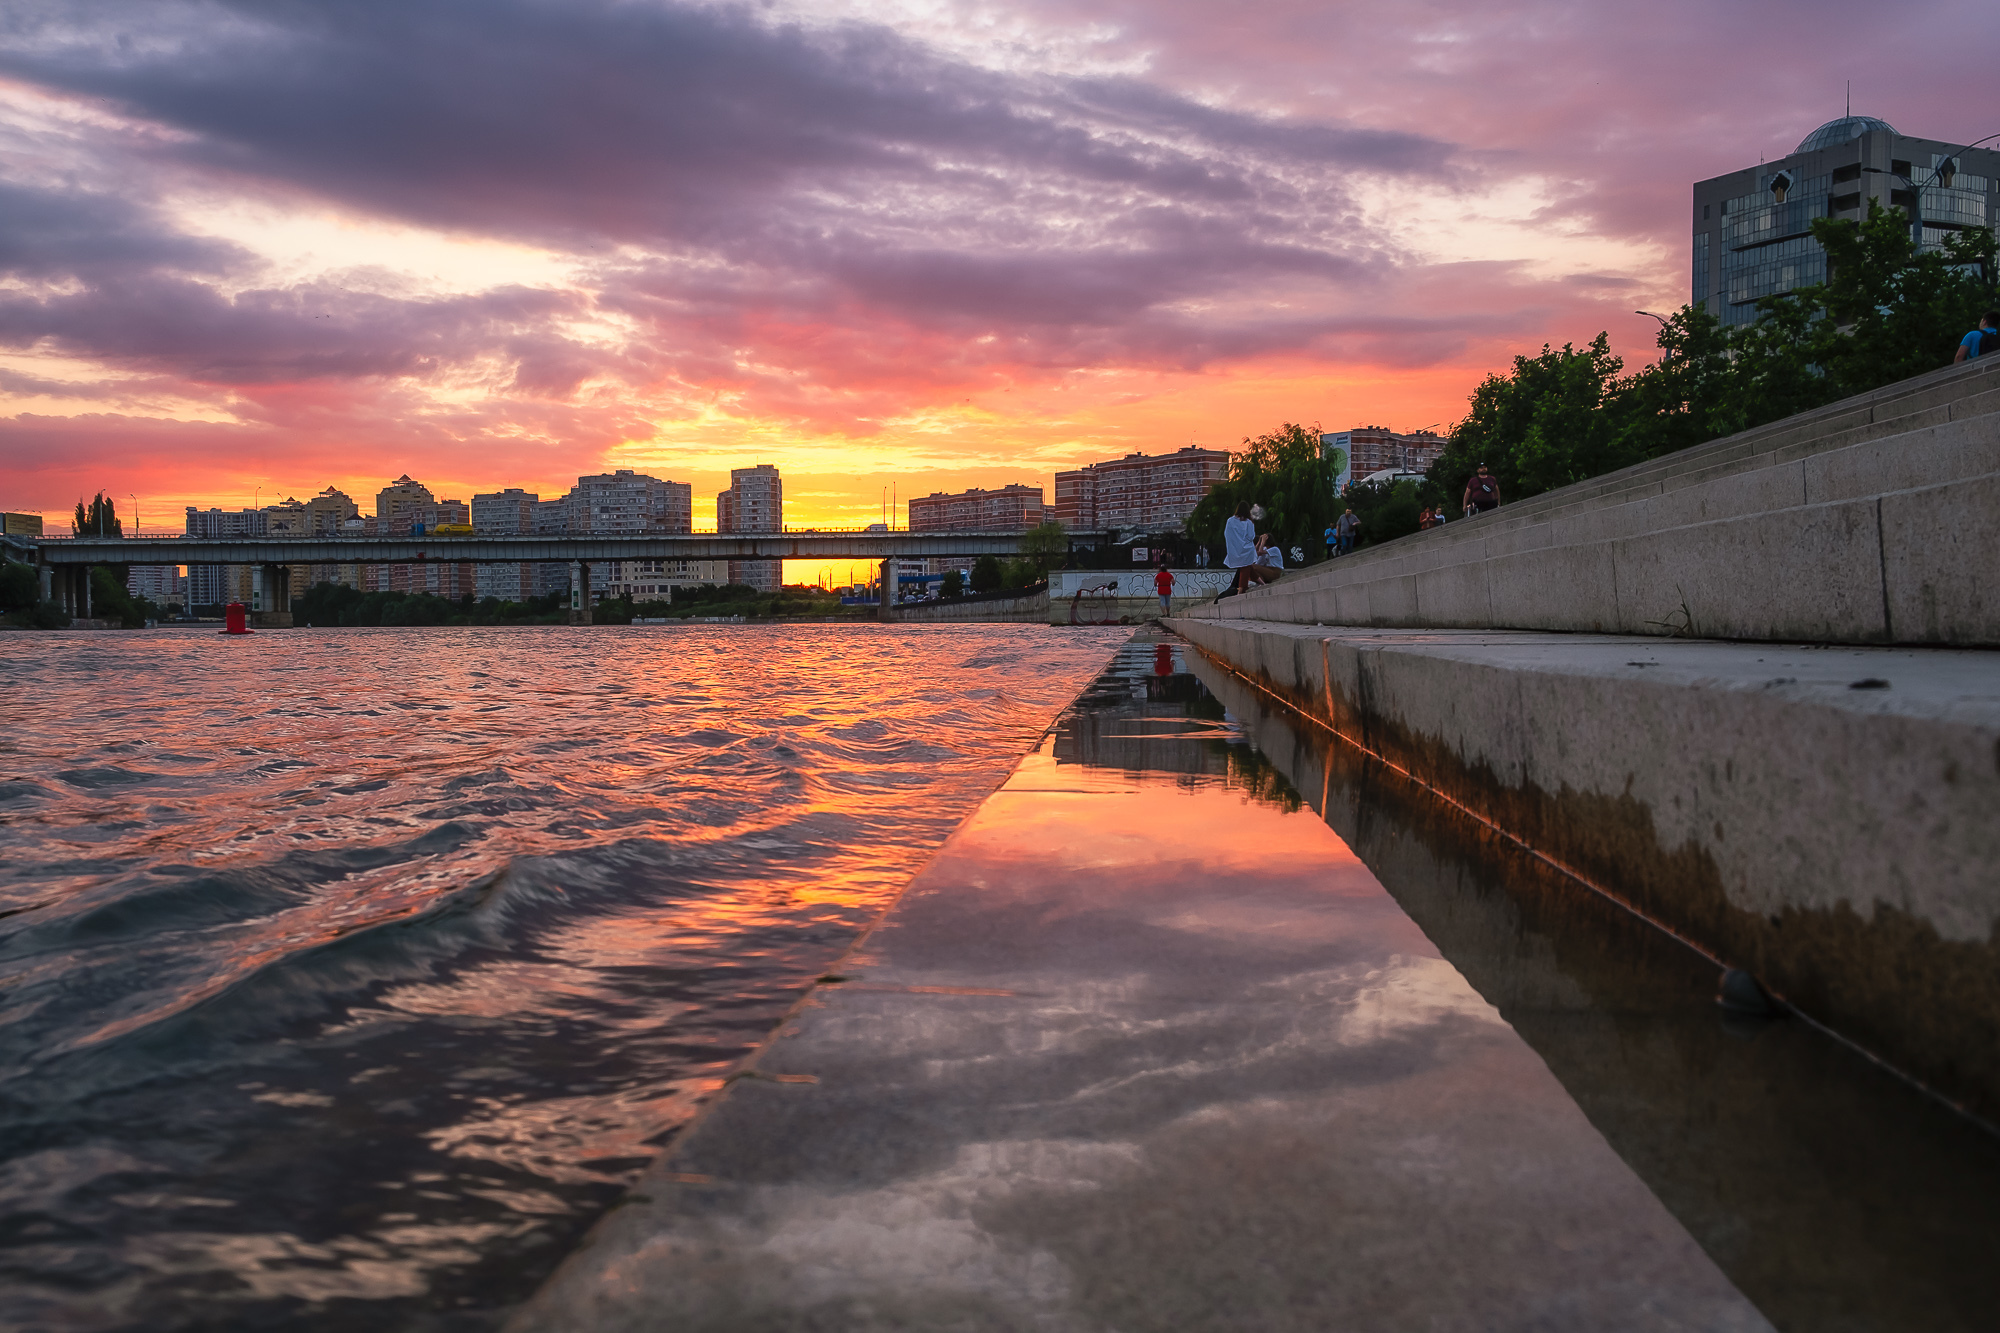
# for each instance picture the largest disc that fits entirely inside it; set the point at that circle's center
(1664, 326)
(135, 514)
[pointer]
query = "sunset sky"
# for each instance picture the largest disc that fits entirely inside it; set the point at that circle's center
(250, 250)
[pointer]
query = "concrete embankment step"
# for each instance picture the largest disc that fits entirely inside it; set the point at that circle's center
(1824, 817)
(1871, 520)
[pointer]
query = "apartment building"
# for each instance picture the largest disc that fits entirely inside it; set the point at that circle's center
(1139, 492)
(1014, 508)
(218, 585)
(754, 502)
(1372, 449)
(505, 513)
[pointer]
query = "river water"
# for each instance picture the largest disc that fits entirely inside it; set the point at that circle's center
(349, 975)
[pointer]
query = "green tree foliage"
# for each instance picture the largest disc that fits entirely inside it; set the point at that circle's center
(1388, 511)
(21, 604)
(110, 600)
(1885, 313)
(953, 585)
(1285, 473)
(1043, 547)
(986, 574)
(20, 588)
(1541, 425)
(96, 519)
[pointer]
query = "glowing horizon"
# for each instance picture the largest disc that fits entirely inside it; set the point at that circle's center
(940, 246)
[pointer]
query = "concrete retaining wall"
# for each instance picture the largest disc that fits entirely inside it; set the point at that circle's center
(1873, 520)
(1840, 843)
(997, 610)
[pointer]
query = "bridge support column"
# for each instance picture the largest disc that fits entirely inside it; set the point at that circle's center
(48, 573)
(890, 568)
(579, 593)
(271, 597)
(84, 573)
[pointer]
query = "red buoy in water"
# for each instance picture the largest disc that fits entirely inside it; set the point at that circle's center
(233, 621)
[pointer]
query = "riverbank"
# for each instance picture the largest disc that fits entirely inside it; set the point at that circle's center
(1819, 816)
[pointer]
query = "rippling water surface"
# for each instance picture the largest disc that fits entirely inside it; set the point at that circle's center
(345, 977)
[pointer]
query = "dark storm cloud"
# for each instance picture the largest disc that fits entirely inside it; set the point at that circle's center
(638, 121)
(262, 336)
(840, 151)
(56, 234)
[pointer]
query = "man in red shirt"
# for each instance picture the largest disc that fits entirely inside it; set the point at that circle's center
(1163, 583)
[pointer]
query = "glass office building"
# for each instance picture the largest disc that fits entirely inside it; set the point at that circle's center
(1753, 227)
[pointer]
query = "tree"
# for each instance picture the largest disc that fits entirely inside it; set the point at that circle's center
(1045, 546)
(1284, 472)
(20, 589)
(1541, 426)
(986, 575)
(97, 519)
(111, 600)
(953, 585)
(1886, 312)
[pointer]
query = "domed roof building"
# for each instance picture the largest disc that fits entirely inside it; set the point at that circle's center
(1753, 226)
(1841, 131)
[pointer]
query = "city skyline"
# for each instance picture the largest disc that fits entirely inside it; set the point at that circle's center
(1123, 229)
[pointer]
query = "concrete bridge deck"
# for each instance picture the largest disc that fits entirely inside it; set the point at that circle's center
(790, 545)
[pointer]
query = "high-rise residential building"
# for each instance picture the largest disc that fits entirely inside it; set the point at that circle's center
(1139, 492)
(624, 501)
(165, 585)
(1014, 508)
(1753, 226)
(289, 518)
(754, 502)
(406, 508)
(1371, 449)
(218, 585)
(505, 514)
(328, 510)
(627, 501)
(328, 514)
(402, 504)
(551, 520)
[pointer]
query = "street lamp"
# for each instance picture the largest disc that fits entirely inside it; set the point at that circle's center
(1664, 326)
(135, 514)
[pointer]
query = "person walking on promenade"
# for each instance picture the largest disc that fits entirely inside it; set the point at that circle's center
(1482, 492)
(1982, 341)
(1239, 551)
(1201, 557)
(1163, 583)
(1348, 524)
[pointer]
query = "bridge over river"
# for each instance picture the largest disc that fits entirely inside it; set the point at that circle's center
(64, 561)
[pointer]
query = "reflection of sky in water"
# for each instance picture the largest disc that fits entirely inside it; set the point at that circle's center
(1148, 1047)
(372, 964)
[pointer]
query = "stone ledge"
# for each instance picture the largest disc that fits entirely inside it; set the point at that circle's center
(1838, 842)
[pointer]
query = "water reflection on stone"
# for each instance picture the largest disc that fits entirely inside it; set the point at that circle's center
(1147, 1046)
(1834, 1195)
